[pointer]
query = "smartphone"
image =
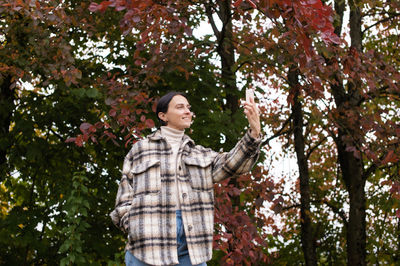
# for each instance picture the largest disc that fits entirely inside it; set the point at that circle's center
(249, 93)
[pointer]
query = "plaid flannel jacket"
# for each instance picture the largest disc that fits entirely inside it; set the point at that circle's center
(145, 207)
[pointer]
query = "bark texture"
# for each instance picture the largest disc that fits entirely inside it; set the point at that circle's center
(7, 97)
(307, 231)
(347, 99)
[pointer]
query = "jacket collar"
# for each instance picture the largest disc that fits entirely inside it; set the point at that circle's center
(156, 136)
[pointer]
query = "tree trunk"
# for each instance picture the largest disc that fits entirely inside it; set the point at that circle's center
(352, 173)
(307, 232)
(226, 51)
(350, 162)
(396, 257)
(7, 98)
(352, 167)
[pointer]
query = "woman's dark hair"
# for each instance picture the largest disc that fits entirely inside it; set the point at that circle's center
(162, 105)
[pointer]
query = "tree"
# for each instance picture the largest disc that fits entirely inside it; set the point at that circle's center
(49, 45)
(172, 25)
(360, 156)
(101, 69)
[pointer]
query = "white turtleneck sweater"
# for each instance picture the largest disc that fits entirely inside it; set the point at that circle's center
(174, 139)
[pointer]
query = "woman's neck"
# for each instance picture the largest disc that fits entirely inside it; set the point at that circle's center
(172, 134)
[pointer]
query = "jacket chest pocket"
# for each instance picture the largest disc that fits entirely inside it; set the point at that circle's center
(146, 178)
(199, 171)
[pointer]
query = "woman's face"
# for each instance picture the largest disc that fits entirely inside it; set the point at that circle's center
(178, 115)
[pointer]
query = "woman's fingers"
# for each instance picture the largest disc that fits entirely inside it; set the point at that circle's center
(252, 114)
(252, 107)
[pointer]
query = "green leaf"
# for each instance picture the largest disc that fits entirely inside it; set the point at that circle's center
(80, 92)
(92, 92)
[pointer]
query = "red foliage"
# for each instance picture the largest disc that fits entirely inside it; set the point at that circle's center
(128, 110)
(240, 232)
(163, 29)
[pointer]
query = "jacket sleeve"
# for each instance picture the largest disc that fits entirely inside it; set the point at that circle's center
(124, 195)
(239, 160)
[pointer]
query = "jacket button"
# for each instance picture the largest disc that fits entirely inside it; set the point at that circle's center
(184, 195)
(180, 168)
(190, 228)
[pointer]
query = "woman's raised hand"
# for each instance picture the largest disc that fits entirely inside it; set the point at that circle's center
(253, 116)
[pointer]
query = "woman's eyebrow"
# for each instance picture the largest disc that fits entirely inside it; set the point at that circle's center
(182, 104)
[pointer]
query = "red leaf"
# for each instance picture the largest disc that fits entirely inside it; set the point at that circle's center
(70, 140)
(237, 3)
(252, 255)
(330, 36)
(149, 123)
(84, 127)
(259, 202)
(389, 158)
(371, 155)
(79, 141)
(120, 8)
(92, 129)
(188, 31)
(136, 19)
(124, 111)
(395, 188)
(234, 191)
(103, 6)
(109, 135)
(252, 4)
(398, 213)
(98, 125)
(112, 113)
(306, 43)
(93, 7)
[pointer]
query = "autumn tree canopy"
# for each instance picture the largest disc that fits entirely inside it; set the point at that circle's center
(79, 81)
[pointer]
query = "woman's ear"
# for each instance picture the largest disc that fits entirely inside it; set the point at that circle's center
(162, 116)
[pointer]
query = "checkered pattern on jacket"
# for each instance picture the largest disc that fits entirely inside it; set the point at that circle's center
(145, 206)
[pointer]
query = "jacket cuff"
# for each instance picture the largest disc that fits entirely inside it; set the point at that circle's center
(251, 143)
(115, 218)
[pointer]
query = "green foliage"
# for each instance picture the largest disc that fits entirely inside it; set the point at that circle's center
(56, 197)
(76, 208)
(37, 175)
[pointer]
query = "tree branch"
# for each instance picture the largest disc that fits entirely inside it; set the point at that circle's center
(381, 21)
(337, 210)
(242, 64)
(312, 149)
(279, 132)
(291, 207)
(212, 22)
(380, 92)
(225, 18)
(57, 135)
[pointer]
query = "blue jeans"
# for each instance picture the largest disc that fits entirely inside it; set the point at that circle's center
(183, 252)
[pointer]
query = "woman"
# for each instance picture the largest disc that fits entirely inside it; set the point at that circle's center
(165, 200)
